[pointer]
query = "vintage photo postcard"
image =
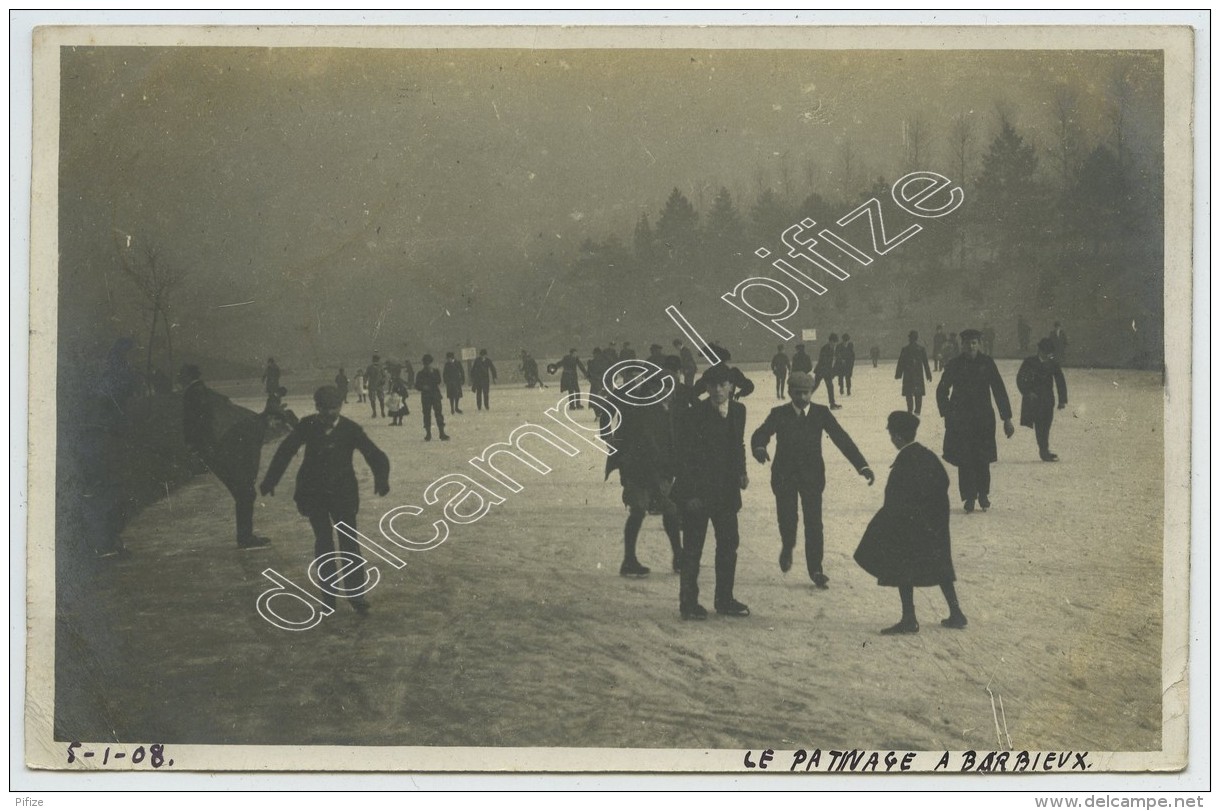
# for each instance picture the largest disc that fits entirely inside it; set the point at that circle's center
(611, 400)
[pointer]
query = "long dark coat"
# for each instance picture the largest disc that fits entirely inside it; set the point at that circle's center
(912, 369)
(964, 399)
(454, 376)
(712, 455)
(907, 542)
(1037, 382)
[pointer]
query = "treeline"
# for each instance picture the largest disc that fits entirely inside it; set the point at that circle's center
(1069, 230)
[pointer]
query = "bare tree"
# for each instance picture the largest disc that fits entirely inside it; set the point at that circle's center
(156, 280)
(916, 135)
(785, 176)
(1067, 134)
(1120, 105)
(813, 175)
(847, 158)
(961, 144)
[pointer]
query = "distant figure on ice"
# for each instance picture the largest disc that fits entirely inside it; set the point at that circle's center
(656, 354)
(907, 543)
(454, 376)
(800, 361)
(964, 398)
(569, 381)
(397, 401)
(326, 489)
(428, 384)
(912, 367)
(271, 376)
(628, 353)
(689, 367)
(646, 459)
(950, 350)
(779, 367)
(341, 383)
(1037, 380)
(234, 459)
(875, 354)
(845, 363)
(825, 370)
(529, 370)
(1060, 337)
(1023, 333)
(358, 385)
(989, 341)
(938, 348)
(712, 474)
(375, 379)
(482, 373)
(597, 367)
(798, 469)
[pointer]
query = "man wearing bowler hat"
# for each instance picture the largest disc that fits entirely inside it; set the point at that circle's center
(798, 469)
(963, 397)
(907, 542)
(712, 474)
(326, 490)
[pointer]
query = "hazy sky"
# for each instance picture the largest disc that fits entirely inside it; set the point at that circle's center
(264, 172)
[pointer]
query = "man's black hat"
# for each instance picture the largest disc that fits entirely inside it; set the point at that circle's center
(902, 423)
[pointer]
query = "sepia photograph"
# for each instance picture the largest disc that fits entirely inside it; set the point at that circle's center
(636, 400)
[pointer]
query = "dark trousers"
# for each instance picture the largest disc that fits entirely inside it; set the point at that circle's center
(574, 389)
(482, 395)
(635, 520)
(786, 493)
(914, 403)
(433, 406)
(377, 396)
(240, 484)
(830, 386)
(694, 532)
(973, 480)
(1042, 431)
(845, 377)
(323, 522)
(779, 385)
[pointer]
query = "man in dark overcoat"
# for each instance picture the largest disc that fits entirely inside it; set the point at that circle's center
(1038, 379)
(712, 474)
(798, 469)
(1060, 337)
(569, 382)
(326, 488)
(455, 377)
(801, 362)
(271, 376)
(232, 457)
(907, 543)
(912, 368)
(825, 368)
(964, 395)
(482, 373)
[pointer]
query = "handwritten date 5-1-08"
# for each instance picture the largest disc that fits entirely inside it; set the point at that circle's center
(154, 755)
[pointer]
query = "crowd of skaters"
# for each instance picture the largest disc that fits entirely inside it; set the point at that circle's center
(682, 457)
